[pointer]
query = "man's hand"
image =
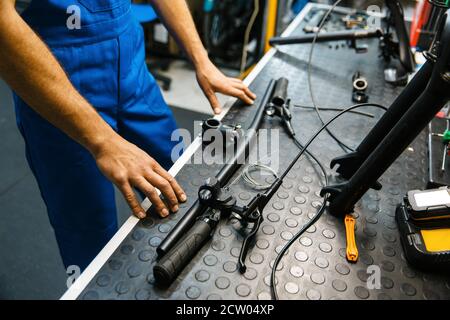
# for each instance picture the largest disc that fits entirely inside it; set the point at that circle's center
(32, 71)
(212, 80)
(129, 167)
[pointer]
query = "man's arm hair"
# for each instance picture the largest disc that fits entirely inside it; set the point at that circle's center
(178, 19)
(31, 70)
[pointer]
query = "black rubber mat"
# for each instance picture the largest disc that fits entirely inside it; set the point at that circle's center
(315, 266)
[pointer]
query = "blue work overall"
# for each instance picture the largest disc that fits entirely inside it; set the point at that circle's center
(105, 61)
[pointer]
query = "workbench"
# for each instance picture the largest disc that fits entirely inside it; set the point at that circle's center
(315, 267)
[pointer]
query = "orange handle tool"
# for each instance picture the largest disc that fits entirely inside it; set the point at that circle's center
(352, 249)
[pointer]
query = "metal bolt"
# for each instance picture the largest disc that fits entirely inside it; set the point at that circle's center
(446, 76)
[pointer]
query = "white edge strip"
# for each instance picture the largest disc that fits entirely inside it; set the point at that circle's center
(89, 273)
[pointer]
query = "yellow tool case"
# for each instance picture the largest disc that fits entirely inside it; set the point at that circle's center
(424, 225)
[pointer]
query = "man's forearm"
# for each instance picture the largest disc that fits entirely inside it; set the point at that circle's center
(31, 70)
(177, 18)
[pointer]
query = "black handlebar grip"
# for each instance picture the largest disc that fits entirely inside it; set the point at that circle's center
(181, 228)
(168, 268)
(279, 96)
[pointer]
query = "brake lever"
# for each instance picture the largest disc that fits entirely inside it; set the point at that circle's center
(253, 212)
(257, 218)
(287, 117)
(284, 113)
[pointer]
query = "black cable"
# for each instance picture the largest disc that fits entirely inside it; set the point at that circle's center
(312, 156)
(324, 127)
(290, 243)
(360, 113)
(313, 99)
(322, 208)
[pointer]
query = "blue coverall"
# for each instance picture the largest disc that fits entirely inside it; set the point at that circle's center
(105, 61)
